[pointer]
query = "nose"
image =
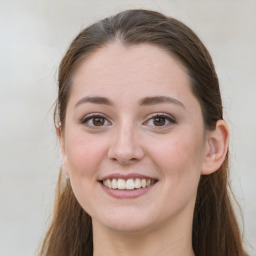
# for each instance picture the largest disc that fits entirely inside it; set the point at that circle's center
(125, 148)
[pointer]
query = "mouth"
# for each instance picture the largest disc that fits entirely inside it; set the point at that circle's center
(128, 184)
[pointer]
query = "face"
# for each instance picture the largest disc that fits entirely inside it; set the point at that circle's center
(133, 144)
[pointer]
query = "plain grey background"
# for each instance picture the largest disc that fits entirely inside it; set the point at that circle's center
(34, 36)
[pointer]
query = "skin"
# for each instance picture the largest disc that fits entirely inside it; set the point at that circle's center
(174, 150)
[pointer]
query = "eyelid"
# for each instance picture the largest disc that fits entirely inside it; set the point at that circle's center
(89, 117)
(168, 117)
(171, 120)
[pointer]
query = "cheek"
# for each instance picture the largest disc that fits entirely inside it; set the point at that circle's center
(83, 154)
(180, 159)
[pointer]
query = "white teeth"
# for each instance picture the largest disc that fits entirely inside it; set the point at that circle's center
(137, 183)
(121, 184)
(127, 184)
(114, 183)
(109, 183)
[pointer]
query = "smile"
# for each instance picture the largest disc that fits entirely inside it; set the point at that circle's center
(128, 184)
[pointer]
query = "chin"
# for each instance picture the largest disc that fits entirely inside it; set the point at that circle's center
(125, 221)
(128, 227)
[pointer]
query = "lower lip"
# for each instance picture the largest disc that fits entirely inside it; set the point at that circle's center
(126, 193)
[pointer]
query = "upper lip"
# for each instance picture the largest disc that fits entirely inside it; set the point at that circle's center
(127, 176)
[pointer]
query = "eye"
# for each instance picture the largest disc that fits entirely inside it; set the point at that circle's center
(160, 120)
(95, 121)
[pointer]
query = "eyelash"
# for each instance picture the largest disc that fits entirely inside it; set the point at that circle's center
(165, 117)
(92, 117)
(153, 117)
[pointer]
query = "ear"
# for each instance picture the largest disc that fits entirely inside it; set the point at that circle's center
(62, 150)
(216, 148)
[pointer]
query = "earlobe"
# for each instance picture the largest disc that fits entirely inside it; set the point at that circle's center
(62, 151)
(216, 148)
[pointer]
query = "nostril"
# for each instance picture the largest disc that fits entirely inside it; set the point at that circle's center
(125, 148)
(124, 161)
(125, 158)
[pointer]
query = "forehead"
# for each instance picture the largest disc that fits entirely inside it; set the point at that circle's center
(127, 75)
(130, 66)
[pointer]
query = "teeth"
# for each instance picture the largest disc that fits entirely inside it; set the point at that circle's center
(121, 184)
(127, 184)
(109, 183)
(143, 183)
(114, 183)
(137, 183)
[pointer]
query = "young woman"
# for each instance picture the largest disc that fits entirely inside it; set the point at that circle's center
(144, 144)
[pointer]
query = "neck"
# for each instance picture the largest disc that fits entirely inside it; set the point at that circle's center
(162, 241)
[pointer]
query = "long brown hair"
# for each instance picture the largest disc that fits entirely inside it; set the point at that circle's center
(215, 228)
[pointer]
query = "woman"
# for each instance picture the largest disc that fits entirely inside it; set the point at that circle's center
(144, 144)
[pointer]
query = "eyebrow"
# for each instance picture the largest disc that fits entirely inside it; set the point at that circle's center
(144, 102)
(95, 100)
(159, 100)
